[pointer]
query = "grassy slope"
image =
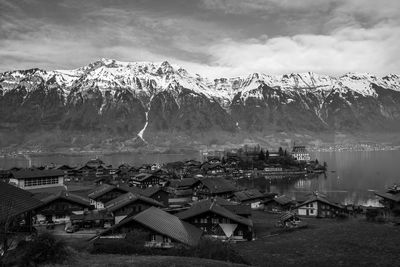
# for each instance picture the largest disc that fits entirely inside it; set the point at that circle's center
(327, 242)
(84, 259)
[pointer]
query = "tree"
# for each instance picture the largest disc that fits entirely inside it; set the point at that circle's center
(316, 161)
(267, 155)
(280, 151)
(285, 153)
(261, 155)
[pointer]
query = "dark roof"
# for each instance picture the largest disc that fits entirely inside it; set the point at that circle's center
(281, 200)
(66, 196)
(186, 182)
(165, 224)
(218, 185)
(210, 205)
(35, 173)
(286, 216)
(128, 198)
(105, 188)
(149, 191)
(319, 198)
(239, 209)
(248, 195)
(144, 176)
(14, 200)
(390, 196)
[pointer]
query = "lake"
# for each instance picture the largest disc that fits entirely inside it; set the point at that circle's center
(351, 176)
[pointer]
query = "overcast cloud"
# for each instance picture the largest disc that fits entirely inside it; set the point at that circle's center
(211, 37)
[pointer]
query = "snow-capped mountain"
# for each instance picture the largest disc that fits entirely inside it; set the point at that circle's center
(145, 98)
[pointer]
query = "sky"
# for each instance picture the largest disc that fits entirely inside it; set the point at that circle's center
(215, 38)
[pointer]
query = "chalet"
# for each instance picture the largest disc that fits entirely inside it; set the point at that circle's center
(212, 187)
(17, 206)
(213, 160)
(288, 220)
(300, 154)
(33, 178)
(94, 163)
(144, 180)
(319, 206)
(85, 172)
(212, 168)
(252, 197)
(129, 204)
(59, 207)
(106, 192)
(92, 219)
(217, 221)
(163, 230)
(157, 193)
(390, 199)
(278, 204)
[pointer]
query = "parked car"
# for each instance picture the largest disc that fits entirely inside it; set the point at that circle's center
(71, 228)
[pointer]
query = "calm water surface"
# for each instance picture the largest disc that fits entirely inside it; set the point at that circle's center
(351, 178)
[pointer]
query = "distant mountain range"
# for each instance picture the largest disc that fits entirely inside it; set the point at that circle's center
(149, 102)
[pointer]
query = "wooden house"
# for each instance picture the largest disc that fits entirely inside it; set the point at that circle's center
(213, 187)
(217, 221)
(105, 193)
(278, 204)
(319, 206)
(162, 230)
(144, 180)
(252, 197)
(390, 199)
(59, 207)
(128, 204)
(157, 193)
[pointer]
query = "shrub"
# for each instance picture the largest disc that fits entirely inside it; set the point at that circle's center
(43, 249)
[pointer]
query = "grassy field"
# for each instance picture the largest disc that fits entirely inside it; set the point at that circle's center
(83, 260)
(326, 242)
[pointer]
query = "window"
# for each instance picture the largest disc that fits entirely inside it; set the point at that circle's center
(240, 233)
(311, 205)
(203, 220)
(215, 220)
(153, 238)
(166, 239)
(40, 181)
(311, 211)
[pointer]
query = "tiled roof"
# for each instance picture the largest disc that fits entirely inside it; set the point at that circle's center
(165, 224)
(210, 205)
(128, 198)
(34, 173)
(248, 194)
(14, 200)
(66, 196)
(149, 191)
(144, 176)
(281, 200)
(218, 185)
(105, 188)
(186, 182)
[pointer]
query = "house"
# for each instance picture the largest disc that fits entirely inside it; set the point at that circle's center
(212, 168)
(94, 163)
(157, 193)
(217, 221)
(59, 207)
(300, 154)
(17, 206)
(390, 199)
(213, 187)
(34, 178)
(278, 204)
(144, 180)
(106, 192)
(319, 206)
(129, 204)
(163, 230)
(252, 197)
(92, 219)
(85, 172)
(289, 220)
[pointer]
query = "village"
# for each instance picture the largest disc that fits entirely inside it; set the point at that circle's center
(173, 205)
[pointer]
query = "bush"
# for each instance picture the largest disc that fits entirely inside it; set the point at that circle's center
(43, 249)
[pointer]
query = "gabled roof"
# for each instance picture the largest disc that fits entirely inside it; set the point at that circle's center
(249, 194)
(65, 195)
(149, 191)
(281, 200)
(144, 176)
(186, 182)
(218, 185)
(319, 198)
(164, 223)
(127, 199)
(390, 196)
(105, 188)
(210, 205)
(35, 173)
(14, 200)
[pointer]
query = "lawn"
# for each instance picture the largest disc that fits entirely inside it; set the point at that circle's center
(84, 259)
(326, 242)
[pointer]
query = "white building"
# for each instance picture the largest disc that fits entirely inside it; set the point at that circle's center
(300, 153)
(34, 178)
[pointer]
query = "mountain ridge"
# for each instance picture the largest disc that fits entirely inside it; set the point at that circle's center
(145, 100)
